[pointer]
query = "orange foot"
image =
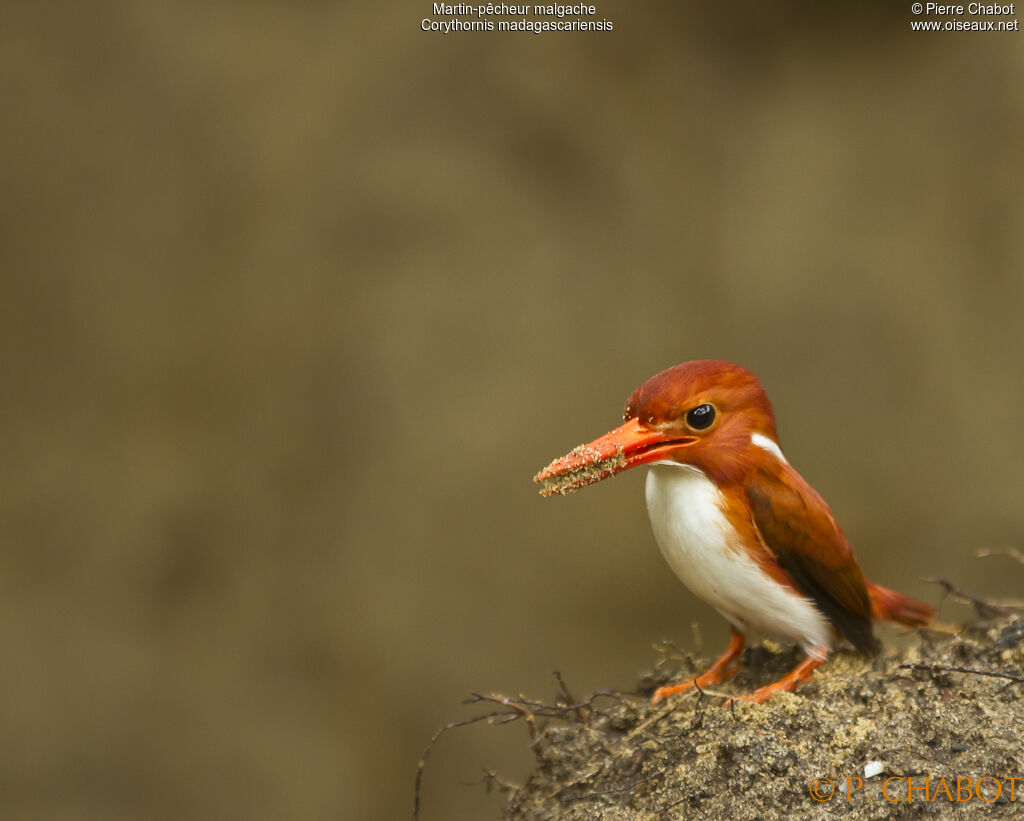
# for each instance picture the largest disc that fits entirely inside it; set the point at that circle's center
(720, 671)
(799, 674)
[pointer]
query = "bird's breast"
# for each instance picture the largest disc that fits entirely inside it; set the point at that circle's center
(707, 553)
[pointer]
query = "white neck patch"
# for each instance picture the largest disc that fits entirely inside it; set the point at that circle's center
(770, 445)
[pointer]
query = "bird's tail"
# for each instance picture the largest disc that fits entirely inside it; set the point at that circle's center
(892, 606)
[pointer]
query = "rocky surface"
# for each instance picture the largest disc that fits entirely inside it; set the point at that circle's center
(947, 708)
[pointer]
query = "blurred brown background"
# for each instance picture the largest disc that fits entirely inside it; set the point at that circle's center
(297, 298)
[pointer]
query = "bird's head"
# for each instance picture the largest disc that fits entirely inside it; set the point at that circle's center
(708, 414)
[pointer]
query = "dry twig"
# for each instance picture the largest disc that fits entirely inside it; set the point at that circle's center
(985, 609)
(953, 668)
(1012, 552)
(581, 712)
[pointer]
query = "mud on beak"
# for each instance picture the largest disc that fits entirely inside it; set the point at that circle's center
(625, 447)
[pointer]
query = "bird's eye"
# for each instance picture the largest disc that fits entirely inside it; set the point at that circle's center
(701, 417)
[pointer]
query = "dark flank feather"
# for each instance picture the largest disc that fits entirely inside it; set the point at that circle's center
(798, 528)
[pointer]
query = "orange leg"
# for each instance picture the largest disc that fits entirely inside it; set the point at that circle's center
(800, 673)
(722, 669)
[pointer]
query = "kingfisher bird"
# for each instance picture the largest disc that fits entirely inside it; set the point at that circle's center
(736, 522)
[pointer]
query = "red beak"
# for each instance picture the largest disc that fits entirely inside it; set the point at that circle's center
(625, 447)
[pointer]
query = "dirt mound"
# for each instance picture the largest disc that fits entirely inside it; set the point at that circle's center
(897, 731)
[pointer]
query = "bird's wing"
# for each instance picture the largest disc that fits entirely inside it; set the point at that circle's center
(796, 525)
